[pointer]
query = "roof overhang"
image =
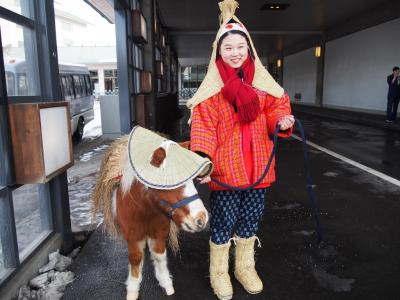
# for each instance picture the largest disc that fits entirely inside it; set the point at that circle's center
(104, 7)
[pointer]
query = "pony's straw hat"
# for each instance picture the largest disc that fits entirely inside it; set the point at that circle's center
(213, 83)
(179, 166)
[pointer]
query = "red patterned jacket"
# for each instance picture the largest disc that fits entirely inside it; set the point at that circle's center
(216, 131)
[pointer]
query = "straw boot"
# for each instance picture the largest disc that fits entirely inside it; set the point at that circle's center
(245, 271)
(219, 265)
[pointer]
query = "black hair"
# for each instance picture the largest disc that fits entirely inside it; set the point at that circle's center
(396, 68)
(233, 32)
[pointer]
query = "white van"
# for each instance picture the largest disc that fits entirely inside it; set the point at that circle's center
(76, 88)
(75, 85)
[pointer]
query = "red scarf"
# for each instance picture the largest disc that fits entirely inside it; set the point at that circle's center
(239, 91)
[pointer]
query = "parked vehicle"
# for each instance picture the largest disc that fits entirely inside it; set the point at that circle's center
(75, 85)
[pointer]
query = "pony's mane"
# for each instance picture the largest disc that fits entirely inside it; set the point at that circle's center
(108, 181)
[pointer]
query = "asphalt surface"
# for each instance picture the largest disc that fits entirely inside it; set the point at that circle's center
(375, 147)
(358, 258)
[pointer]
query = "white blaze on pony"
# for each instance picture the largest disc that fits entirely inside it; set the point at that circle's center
(145, 202)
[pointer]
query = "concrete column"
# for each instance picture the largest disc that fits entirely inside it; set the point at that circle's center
(100, 75)
(320, 76)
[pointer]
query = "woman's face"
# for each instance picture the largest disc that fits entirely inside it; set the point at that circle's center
(234, 50)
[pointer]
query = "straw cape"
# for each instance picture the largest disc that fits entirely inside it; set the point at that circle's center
(213, 83)
(179, 166)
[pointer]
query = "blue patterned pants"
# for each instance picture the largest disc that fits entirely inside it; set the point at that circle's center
(235, 212)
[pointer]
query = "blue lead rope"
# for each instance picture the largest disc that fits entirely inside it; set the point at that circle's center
(316, 211)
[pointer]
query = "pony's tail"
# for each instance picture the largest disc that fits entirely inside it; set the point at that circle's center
(107, 182)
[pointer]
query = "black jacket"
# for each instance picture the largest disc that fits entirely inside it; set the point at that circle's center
(394, 88)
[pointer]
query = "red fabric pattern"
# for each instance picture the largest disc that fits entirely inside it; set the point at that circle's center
(217, 132)
(239, 91)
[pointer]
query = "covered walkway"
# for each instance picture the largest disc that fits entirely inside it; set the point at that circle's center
(331, 57)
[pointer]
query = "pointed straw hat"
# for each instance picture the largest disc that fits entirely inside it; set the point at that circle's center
(179, 165)
(213, 83)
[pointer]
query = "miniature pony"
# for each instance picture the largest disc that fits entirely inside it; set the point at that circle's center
(144, 215)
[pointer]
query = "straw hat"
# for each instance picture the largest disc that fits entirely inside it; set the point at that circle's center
(179, 165)
(213, 83)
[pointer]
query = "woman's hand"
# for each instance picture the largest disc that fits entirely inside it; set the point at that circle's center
(204, 179)
(286, 122)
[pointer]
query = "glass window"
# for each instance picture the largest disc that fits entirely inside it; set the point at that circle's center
(88, 85)
(68, 92)
(32, 216)
(136, 78)
(158, 54)
(94, 74)
(20, 59)
(22, 7)
(138, 62)
(10, 83)
(83, 85)
(108, 73)
(201, 73)
(77, 86)
(111, 81)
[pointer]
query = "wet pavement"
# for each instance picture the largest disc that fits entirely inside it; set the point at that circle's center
(358, 258)
(375, 147)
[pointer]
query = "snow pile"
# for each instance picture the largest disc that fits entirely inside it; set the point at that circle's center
(52, 279)
(92, 129)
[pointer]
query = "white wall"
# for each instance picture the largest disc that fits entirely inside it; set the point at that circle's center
(356, 67)
(300, 75)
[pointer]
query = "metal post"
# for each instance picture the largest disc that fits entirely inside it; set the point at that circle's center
(61, 216)
(8, 234)
(123, 69)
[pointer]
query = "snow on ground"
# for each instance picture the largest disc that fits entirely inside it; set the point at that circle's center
(92, 129)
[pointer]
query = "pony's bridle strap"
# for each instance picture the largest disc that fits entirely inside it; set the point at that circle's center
(183, 202)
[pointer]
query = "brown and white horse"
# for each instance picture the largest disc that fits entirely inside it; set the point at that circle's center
(144, 215)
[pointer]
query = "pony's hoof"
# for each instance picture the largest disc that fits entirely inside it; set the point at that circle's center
(170, 290)
(132, 296)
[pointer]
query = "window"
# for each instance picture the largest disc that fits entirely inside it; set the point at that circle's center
(83, 85)
(25, 214)
(88, 85)
(67, 87)
(191, 78)
(20, 59)
(94, 81)
(31, 211)
(10, 83)
(110, 80)
(22, 84)
(77, 86)
(22, 7)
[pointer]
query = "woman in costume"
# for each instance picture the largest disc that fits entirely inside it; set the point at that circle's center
(236, 108)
